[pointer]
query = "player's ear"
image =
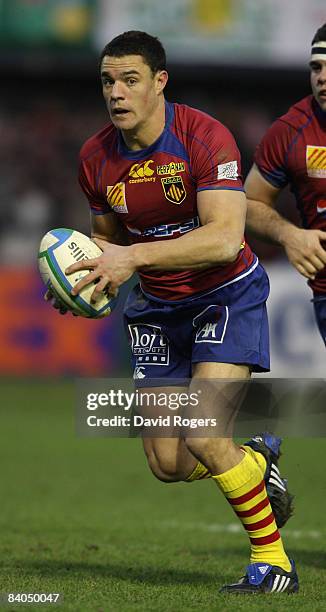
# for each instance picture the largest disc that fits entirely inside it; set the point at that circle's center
(161, 79)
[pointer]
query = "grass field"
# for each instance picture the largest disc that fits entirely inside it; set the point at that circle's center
(85, 518)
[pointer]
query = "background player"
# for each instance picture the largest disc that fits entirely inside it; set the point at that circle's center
(164, 186)
(294, 151)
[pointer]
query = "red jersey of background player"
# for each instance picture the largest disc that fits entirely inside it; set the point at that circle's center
(154, 190)
(293, 151)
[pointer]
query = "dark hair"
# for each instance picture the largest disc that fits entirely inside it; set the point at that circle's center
(320, 35)
(137, 43)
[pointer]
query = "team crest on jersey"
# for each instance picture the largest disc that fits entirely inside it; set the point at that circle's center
(116, 197)
(316, 161)
(173, 188)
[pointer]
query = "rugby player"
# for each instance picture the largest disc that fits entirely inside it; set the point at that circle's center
(293, 151)
(163, 182)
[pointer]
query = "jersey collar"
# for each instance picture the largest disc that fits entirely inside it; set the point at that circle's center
(141, 153)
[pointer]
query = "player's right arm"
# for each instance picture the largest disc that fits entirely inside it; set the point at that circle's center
(303, 247)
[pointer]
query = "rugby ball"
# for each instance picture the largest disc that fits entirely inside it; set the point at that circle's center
(59, 249)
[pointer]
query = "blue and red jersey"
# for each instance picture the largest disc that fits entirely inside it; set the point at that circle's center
(293, 151)
(154, 190)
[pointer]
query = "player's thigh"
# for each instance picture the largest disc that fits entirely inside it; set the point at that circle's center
(221, 388)
(159, 339)
(220, 371)
(230, 326)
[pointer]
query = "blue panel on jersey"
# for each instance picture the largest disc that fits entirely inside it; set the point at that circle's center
(277, 178)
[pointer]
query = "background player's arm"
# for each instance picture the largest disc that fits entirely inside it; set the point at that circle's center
(303, 247)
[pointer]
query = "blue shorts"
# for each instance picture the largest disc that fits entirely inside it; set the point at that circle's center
(319, 302)
(224, 325)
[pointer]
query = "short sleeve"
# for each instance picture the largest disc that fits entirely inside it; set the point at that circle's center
(87, 181)
(271, 154)
(215, 157)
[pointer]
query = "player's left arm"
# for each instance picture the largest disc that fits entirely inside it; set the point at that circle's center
(222, 214)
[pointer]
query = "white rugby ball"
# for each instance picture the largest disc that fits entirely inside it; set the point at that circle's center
(59, 249)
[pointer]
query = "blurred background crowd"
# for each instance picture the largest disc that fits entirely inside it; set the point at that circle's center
(244, 62)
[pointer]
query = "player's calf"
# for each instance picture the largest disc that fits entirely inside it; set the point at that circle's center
(216, 454)
(169, 459)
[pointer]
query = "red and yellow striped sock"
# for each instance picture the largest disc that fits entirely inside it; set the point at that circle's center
(258, 457)
(244, 488)
(199, 473)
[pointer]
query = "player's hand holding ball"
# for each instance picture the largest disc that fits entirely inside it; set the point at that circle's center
(110, 270)
(59, 249)
(50, 297)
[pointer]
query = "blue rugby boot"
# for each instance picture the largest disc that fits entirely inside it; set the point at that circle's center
(280, 499)
(263, 578)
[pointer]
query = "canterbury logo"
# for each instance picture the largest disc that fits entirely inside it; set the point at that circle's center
(141, 170)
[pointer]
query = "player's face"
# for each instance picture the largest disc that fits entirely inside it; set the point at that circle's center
(318, 82)
(130, 90)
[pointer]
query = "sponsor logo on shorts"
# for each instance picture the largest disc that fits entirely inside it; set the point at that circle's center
(149, 345)
(139, 372)
(316, 161)
(116, 197)
(228, 171)
(171, 168)
(142, 173)
(173, 188)
(160, 231)
(211, 324)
